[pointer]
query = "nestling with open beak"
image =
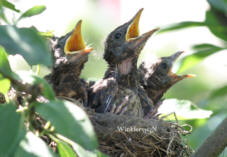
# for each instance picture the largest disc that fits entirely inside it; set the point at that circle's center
(157, 78)
(70, 55)
(119, 91)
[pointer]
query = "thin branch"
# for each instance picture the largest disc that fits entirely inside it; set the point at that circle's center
(215, 143)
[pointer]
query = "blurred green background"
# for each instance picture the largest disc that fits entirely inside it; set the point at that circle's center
(208, 90)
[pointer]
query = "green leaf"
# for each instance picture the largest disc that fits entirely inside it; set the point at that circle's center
(10, 130)
(47, 91)
(5, 85)
(181, 25)
(33, 146)
(2, 15)
(4, 63)
(220, 5)
(27, 42)
(70, 121)
(100, 154)
(48, 34)
(65, 150)
(29, 78)
(184, 109)
(83, 152)
(36, 10)
(201, 52)
(219, 92)
(5, 67)
(9, 5)
(204, 46)
(217, 23)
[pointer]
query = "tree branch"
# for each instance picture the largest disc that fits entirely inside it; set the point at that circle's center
(215, 143)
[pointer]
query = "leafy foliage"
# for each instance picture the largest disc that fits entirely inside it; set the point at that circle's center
(28, 147)
(201, 52)
(27, 42)
(36, 10)
(5, 85)
(61, 113)
(219, 92)
(183, 109)
(220, 5)
(65, 150)
(181, 25)
(216, 22)
(20, 135)
(8, 5)
(10, 130)
(4, 64)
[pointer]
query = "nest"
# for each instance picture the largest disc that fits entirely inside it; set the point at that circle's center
(126, 136)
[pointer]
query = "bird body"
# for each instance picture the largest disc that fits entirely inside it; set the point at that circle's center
(118, 91)
(70, 55)
(157, 78)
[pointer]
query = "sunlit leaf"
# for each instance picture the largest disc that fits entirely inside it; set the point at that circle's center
(80, 151)
(27, 42)
(47, 34)
(33, 146)
(100, 154)
(5, 85)
(183, 109)
(36, 10)
(181, 25)
(217, 23)
(201, 52)
(10, 130)
(65, 150)
(5, 69)
(9, 5)
(220, 5)
(70, 121)
(83, 152)
(219, 92)
(4, 63)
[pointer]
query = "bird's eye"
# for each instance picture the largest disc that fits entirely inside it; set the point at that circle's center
(164, 65)
(117, 36)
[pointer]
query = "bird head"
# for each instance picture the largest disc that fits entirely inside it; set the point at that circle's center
(164, 68)
(75, 48)
(125, 43)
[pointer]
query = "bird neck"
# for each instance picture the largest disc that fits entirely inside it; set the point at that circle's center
(125, 73)
(157, 85)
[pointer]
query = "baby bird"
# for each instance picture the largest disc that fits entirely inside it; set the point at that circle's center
(70, 55)
(119, 91)
(157, 78)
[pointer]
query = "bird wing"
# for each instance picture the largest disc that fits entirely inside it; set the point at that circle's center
(102, 94)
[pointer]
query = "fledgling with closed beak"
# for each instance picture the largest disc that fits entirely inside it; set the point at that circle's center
(70, 54)
(119, 91)
(157, 78)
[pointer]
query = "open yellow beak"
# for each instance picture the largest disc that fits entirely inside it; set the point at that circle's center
(133, 29)
(75, 43)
